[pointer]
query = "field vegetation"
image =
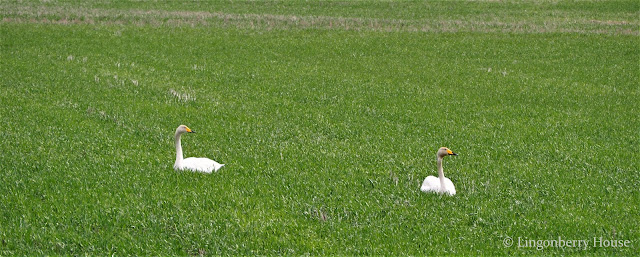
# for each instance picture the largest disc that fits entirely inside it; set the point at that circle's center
(327, 115)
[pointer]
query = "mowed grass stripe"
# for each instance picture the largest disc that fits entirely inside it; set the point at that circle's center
(429, 17)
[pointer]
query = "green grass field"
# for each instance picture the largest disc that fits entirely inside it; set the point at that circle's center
(327, 115)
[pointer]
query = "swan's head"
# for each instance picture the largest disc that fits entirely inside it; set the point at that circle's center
(443, 151)
(184, 129)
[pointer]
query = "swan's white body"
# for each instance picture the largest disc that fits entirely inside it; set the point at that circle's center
(440, 184)
(205, 165)
(433, 184)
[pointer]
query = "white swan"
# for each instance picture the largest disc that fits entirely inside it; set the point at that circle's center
(205, 165)
(440, 184)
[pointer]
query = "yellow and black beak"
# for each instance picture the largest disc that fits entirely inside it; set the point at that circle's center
(451, 153)
(190, 131)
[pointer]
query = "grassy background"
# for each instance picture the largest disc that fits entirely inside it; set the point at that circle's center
(327, 127)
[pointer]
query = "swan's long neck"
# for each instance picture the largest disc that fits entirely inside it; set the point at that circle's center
(440, 172)
(179, 157)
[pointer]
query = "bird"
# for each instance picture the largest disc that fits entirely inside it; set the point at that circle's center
(205, 165)
(440, 184)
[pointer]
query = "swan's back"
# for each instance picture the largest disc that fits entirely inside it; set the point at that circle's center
(432, 184)
(205, 165)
